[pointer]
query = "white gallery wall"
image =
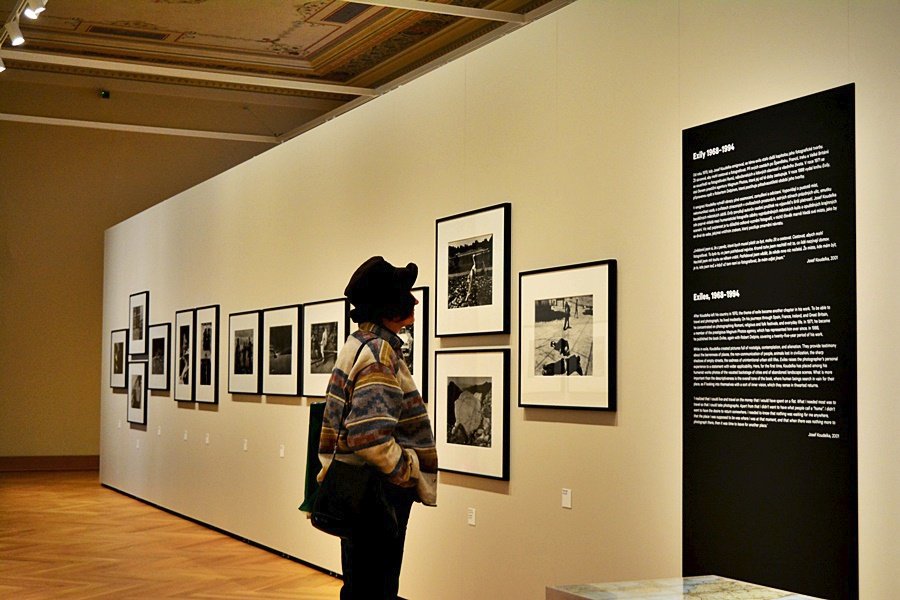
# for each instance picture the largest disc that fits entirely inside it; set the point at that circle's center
(576, 120)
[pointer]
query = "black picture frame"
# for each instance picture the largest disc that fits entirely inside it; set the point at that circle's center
(206, 354)
(326, 325)
(118, 359)
(138, 323)
(158, 371)
(183, 362)
(416, 341)
(245, 350)
(467, 440)
(137, 393)
(472, 272)
(282, 363)
(567, 336)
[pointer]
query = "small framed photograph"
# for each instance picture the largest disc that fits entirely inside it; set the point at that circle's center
(415, 342)
(472, 272)
(137, 392)
(567, 336)
(160, 339)
(118, 359)
(245, 352)
(138, 313)
(184, 355)
(325, 327)
(281, 360)
(206, 388)
(471, 391)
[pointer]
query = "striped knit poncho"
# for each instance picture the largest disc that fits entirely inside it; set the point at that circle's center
(388, 425)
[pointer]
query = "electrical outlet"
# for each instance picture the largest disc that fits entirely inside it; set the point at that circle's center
(137, 443)
(566, 498)
(281, 451)
(158, 430)
(207, 439)
(470, 516)
(120, 423)
(185, 435)
(245, 444)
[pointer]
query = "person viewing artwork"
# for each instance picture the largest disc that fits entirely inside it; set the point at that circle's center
(386, 426)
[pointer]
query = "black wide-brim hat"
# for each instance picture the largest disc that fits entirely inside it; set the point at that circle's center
(379, 283)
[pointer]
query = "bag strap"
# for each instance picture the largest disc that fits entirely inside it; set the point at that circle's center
(346, 410)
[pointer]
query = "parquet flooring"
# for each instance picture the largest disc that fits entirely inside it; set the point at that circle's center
(63, 535)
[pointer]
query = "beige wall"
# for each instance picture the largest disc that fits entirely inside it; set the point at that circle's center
(577, 121)
(60, 188)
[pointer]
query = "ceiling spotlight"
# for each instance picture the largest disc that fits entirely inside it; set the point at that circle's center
(15, 34)
(34, 8)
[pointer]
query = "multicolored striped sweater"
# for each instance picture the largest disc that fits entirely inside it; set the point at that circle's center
(388, 424)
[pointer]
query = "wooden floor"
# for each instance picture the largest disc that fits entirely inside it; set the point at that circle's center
(63, 535)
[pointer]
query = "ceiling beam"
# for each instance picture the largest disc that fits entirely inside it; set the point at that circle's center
(449, 9)
(233, 78)
(196, 133)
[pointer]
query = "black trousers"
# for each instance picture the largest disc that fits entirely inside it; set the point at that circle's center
(371, 559)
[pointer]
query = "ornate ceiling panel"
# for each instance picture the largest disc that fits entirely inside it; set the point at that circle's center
(286, 47)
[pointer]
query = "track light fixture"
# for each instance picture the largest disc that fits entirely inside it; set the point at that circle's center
(33, 8)
(15, 34)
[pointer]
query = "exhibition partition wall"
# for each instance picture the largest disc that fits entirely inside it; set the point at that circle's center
(576, 122)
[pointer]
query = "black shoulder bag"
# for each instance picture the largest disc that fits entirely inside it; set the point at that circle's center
(350, 496)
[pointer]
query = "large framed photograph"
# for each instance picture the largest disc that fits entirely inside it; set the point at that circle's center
(281, 360)
(160, 340)
(206, 388)
(118, 359)
(471, 390)
(184, 355)
(138, 313)
(137, 392)
(472, 272)
(415, 342)
(245, 352)
(325, 327)
(567, 336)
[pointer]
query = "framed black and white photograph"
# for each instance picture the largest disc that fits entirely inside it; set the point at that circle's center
(325, 327)
(471, 391)
(118, 359)
(183, 366)
(245, 350)
(281, 360)
(472, 272)
(206, 386)
(138, 314)
(137, 392)
(159, 340)
(567, 336)
(415, 342)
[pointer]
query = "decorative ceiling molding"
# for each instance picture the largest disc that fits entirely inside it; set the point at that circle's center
(216, 135)
(449, 9)
(235, 78)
